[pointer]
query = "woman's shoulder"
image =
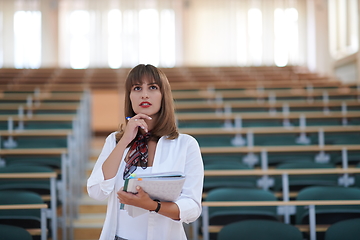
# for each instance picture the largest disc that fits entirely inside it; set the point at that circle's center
(111, 136)
(183, 137)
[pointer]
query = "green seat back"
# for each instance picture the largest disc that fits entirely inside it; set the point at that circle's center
(28, 218)
(345, 230)
(9, 232)
(297, 182)
(259, 230)
(224, 215)
(41, 186)
(328, 214)
(211, 182)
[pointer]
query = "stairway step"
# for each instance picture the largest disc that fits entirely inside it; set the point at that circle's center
(91, 212)
(88, 205)
(88, 226)
(92, 209)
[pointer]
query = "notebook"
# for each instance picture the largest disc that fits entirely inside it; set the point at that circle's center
(162, 186)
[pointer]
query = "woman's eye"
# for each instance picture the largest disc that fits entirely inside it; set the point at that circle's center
(137, 88)
(153, 87)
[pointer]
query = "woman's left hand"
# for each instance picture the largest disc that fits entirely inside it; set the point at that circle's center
(140, 199)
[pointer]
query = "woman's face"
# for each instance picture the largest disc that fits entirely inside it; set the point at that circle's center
(146, 97)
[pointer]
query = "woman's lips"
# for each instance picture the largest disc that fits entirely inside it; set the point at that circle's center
(145, 104)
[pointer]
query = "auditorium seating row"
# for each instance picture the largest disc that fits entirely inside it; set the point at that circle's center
(277, 154)
(196, 78)
(44, 146)
(267, 129)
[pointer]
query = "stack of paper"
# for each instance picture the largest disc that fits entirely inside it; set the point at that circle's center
(162, 186)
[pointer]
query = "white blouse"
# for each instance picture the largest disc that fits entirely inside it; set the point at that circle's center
(181, 154)
(141, 221)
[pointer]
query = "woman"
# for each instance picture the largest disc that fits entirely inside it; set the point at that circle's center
(149, 104)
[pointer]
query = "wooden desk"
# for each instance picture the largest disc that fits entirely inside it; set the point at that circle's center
(38, 132)
(259, 172)
(33, 151)
(257, 149)
(192, 105)
(291, 115)
(43, 117)
(42, 106)
(255, 94)
(267, 130)
(53, 96)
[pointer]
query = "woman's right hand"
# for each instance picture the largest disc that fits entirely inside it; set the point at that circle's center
(133, 125)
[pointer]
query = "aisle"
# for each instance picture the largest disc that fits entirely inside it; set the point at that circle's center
(91, 212)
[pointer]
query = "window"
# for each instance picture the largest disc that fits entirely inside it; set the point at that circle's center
(255, 36)
(144, 36)
(343, 27)
(167, 41)
(286, 36)
(79, 35)
(114, 39)
(27, 39)
(149, 47)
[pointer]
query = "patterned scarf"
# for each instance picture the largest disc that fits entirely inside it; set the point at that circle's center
(138, 152)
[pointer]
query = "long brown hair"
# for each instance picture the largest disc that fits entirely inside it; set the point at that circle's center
(166, 123)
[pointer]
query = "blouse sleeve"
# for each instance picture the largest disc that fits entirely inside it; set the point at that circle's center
(189, 202)
(97, 187)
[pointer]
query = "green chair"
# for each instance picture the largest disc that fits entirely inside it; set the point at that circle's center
(298, 182)
(249, 123)
(200, 123)
(275, 159)
(40, 142)
(40, 186)
(344, 230)
(25, 218)
(342, 138)
(214, 158)
(259, 230)
(226, 215)
(353, 158)
(53, 162)
(328, 214)
(9, 232)
(276, 139)
(212, 182)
